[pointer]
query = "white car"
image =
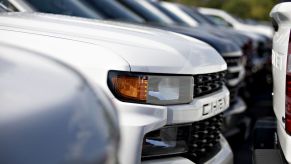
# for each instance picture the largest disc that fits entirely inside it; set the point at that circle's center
(51, 114)
(168, 88)
(281, 61)
(231, 21)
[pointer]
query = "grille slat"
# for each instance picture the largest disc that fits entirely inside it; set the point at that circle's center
(199, 141)
(233, 93)
(208, 83)
(233, 61)
(231, 76)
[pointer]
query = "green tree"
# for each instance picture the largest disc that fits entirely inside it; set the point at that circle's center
(254, 9)
(239, 8)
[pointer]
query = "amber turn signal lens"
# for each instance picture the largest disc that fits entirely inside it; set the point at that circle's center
(151, 89)
(131, 87)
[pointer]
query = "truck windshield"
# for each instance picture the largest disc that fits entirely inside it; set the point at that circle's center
(200, 18)
(6, 6)
(65, 7)
(219, 21)
(174, 17)
(113, 10)
(2, 9)
(147, 11)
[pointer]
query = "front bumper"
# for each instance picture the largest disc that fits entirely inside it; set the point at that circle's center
(137, 120)
(224, 156)
(285, 142)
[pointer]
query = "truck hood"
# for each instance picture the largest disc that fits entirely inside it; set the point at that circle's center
(145, 49)
(226, 33)
(222, 45)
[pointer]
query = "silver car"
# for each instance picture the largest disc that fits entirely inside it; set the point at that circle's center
(50, 114)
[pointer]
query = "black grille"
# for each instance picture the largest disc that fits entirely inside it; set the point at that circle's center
(233, 93)
(205, 137)
(230, 76)
(208, 83)
(233, 61)
(197, 141)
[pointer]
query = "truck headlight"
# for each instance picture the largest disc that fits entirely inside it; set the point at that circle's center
(151, 88)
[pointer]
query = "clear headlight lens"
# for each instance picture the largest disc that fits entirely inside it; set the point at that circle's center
(151, 89)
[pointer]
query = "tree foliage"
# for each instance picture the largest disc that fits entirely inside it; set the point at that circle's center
(254, 9)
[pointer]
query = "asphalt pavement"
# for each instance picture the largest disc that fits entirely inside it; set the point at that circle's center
(259, 101)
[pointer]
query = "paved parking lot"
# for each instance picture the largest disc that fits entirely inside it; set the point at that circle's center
(259, 107)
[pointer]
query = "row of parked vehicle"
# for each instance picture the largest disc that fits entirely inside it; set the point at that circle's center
(125, 81)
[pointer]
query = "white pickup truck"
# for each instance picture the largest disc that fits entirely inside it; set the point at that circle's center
(281, 61)
(223, 17)
(168, 88)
